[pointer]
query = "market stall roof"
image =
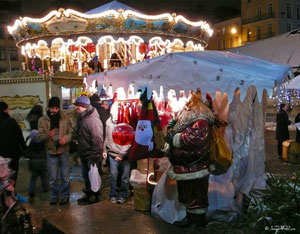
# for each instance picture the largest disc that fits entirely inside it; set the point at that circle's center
(283, 49)
(207, 70)
(292, 84)
(114, 5)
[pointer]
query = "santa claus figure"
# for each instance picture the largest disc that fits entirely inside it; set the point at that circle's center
(189, 140)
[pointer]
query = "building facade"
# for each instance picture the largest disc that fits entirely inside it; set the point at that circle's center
(10, 55)
(260, 19)
(227, 34)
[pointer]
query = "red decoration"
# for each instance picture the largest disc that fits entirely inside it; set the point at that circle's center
(123, 134)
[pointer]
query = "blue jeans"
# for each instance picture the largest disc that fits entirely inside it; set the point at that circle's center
(34, 176)
(124, 168)
(59, 164)
(85, 167)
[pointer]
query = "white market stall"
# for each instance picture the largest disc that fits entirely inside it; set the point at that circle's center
(292, 84)
(283, 49)
(244, 110)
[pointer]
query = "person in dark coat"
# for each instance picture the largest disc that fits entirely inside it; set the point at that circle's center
(89, 134)
(36, 152)
(103, 112)
(12, 144)
(282, 131)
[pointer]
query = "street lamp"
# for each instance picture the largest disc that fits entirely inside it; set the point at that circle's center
(233, 30)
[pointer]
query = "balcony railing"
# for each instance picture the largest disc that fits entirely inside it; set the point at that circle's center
(258, 18)
(259, 37)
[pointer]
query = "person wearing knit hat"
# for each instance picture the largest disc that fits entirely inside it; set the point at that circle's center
(12, 142)
(82, 101)
(3, 107)
(89, 135)
(55, 130)
(54, 102)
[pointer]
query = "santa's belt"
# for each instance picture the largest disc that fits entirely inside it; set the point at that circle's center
(189, 169)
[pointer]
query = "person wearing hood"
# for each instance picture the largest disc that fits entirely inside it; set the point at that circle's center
(12, 144)
(89, 135)
(55, 130)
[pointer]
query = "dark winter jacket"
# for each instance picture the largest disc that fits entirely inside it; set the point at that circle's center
(33, 120)
(90, 135)
(12, 142)
(282, 123)
(297, 120)
(36, 153)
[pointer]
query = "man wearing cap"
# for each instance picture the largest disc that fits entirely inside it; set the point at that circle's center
(55, 130)
(12, 142)
(89, 134)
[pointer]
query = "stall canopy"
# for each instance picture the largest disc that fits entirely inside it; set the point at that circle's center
(207, 70)
(292, 84)
(283, 49)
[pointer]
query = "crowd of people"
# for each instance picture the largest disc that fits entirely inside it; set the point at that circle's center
(48, 148)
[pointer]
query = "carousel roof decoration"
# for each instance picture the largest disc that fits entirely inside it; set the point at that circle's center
(113, 19)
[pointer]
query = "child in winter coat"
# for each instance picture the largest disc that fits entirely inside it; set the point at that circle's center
(37, 163)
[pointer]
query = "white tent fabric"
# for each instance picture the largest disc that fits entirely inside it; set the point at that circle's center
(283, 49)
(292, 84)
(207, 70)
(243, 135)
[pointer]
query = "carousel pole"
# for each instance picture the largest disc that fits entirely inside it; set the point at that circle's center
(105, 65)
(79, 61)
(65, 59)
(26, 62)
(133, 52)
(43, 65)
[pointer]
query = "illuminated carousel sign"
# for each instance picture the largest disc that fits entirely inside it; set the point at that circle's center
(110, 37)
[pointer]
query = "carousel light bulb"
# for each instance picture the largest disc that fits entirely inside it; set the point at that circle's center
(105, 64)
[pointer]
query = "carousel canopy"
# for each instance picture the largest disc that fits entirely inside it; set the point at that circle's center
(114, 5)
(207, 70)
(113, 19)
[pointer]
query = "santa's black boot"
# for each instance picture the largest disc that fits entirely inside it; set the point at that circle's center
(185, 222)
(198, 219)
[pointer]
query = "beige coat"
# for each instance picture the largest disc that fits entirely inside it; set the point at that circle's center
(65, 130)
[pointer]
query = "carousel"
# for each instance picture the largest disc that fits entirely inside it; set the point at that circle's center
(110, 36)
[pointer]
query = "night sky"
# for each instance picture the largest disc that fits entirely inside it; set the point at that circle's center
(210, 10)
